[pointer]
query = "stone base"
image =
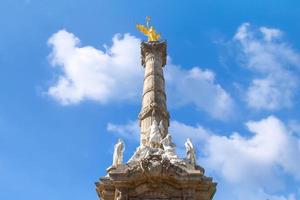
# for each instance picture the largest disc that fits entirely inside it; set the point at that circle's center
(155, 178)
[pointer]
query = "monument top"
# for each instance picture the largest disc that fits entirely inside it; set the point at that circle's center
(149, 31)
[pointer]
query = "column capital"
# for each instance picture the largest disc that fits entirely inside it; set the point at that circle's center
(154, 47)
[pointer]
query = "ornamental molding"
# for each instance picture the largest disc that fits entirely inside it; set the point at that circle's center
(155, 47)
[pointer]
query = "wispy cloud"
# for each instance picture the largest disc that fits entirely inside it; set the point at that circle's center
(274, 64)
(130, 130)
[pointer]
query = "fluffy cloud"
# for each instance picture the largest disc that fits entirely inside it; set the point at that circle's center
(198, 87)
(181, 132)
(87, 73)
(252, 166)
(272, 148)
(272, 92)
(255, 167)
(274, 63)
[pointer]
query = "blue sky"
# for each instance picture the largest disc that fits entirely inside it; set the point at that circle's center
(70, 82)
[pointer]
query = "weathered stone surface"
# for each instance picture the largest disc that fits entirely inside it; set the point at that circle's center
(155, 178)
(155, 171)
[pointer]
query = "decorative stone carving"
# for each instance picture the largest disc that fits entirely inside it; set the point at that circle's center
(190, 152)
(154, 48)
(143, 152)
(152, 165)
(118, 153)
(155, 178)
(170, 150)
(155, 135)
(140, 153)
(119, 195)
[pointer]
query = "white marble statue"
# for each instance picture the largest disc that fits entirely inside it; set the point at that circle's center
(155, 136)
(190, 152)
(118, 153)
(170, 149)
(140, 153)
(167, 143)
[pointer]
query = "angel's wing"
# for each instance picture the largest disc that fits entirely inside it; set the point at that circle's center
(142, 28)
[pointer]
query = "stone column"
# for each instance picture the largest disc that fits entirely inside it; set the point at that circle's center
(154, 97)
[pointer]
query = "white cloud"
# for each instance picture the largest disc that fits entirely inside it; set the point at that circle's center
(272, 92)
(87, 73)
(199, 87)
(255, 167)
(273, 61)
(271, 149)
(181, 132)
(269, 33)
(273, 146)
(130, 131)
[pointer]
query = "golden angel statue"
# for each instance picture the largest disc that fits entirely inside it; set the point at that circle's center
(148, 31)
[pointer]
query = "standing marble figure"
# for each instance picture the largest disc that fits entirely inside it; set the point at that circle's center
(190, 152)
(118, 153)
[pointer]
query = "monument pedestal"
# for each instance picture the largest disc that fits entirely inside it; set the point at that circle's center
(156, 178)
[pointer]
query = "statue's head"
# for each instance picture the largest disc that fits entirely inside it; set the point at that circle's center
(151, 28)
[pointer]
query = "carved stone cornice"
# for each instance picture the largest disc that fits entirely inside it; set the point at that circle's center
(153, 107)
(154, 176)
(154, 48)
